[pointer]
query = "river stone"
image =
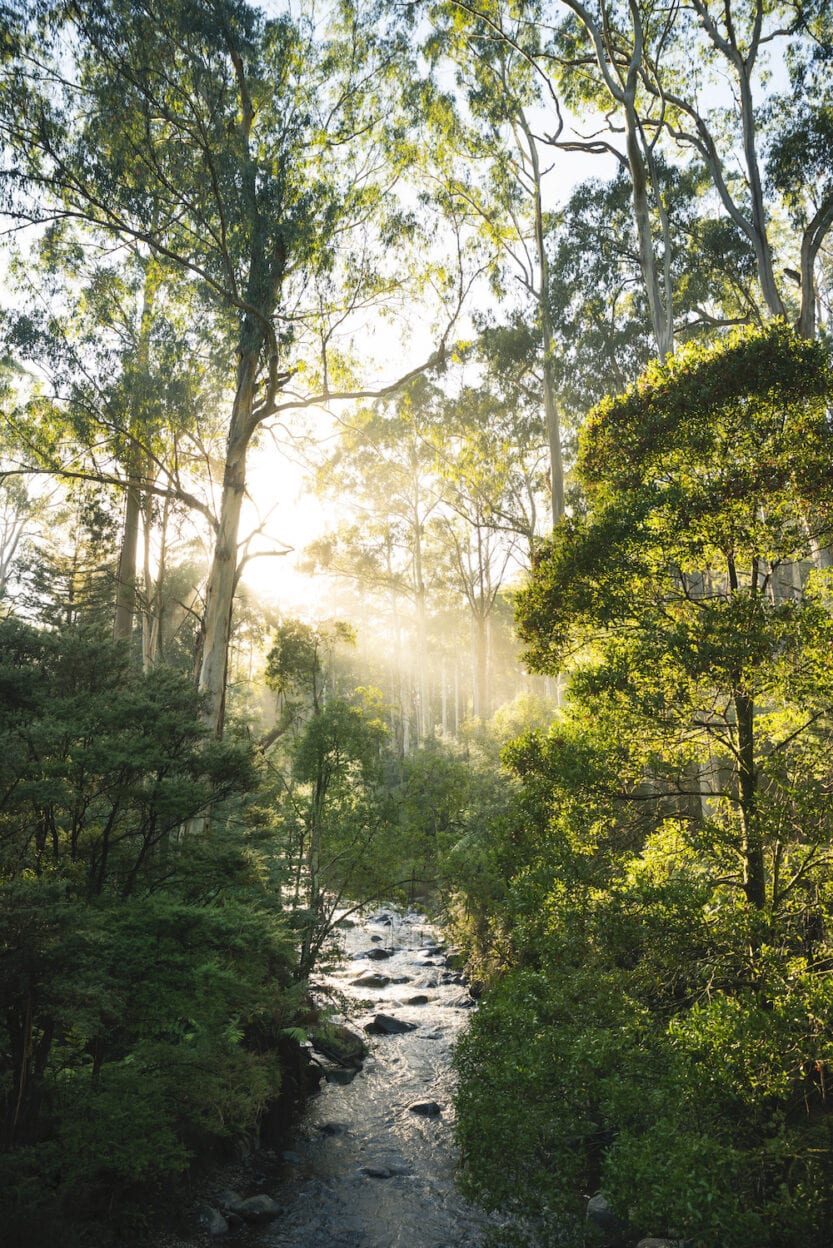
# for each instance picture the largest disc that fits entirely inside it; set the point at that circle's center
(376, 1172)
(419, 999)
(371, 979)
(212, 1221)
(292, 1158)
(401, 979)
(377, 955)
(258, 1209)
(652, 1242)
(333, 1128)
(228, 1199)
(377, 937)
(426, 1109)
(386, 1025)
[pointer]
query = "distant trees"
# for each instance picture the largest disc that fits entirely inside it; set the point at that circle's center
(447, 492)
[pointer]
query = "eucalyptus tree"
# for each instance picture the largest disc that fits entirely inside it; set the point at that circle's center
(601, 316)
(702, 77)
(259, 156)
(495, 57)
(119, 394)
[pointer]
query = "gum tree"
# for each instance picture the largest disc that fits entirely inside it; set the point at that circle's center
(259, 157)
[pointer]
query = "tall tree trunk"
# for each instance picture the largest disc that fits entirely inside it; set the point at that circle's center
(223, 575)
(421, 626)
(661, 318)
(126, 574)
(754, 882)
(551, 414)
(152, 613)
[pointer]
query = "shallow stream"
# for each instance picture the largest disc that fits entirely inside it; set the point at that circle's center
(365, 1170)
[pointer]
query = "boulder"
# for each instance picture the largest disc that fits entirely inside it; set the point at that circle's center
(603, 1224)
(371, 979)
(426, 1109)
(339, 1044)
(386, 1025)
(377, 955)
(228, 1199)
(212, 1221)
(419, 999)
(376, 937)
(258, 1208)
(376, 1172)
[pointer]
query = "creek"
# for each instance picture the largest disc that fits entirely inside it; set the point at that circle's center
(367, 1168)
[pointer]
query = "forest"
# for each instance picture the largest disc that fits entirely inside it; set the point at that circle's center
(416, 489)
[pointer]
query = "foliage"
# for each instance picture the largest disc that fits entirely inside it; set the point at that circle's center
(664, 927)
(143, 975)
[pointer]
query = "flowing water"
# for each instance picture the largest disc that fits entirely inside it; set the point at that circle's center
(365, 1170)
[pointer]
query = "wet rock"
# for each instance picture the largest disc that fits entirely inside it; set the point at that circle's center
(342, 1075)
(371, 979)
(258, 1209)
(229, 1200)
(652, 1242)
(419, 999)
(377, 955)
(426, 1109)
(339, 1044)
(603, 1224)
(333, 1128)
(212, 1221)
(386, 1025)
(292, 1158)
(345, 924)
(401, 979)
(377, 938)
(376, 1172)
